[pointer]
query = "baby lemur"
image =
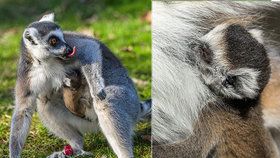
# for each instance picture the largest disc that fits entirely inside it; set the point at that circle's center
(76, 94)
(59, 72)
(210, 59)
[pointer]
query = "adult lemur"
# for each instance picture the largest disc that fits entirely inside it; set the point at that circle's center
(48, 56)
(210, 65)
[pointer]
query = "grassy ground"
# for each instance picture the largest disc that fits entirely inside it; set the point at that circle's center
(118, 24)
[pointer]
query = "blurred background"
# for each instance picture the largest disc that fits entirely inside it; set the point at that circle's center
(123, 25)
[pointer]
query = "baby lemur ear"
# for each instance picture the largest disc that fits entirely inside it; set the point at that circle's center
(29, 35)
(244, 81)
(257, 34)
(47, 17)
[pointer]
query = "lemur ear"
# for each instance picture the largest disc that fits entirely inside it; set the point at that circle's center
(48, 17)
(30, 35)
(248, 81)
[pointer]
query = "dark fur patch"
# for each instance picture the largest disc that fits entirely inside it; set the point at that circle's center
(242, 106)
(244, 51)
(44, 27)
(212, 153)
(206, 53)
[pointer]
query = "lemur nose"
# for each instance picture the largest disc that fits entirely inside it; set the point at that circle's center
(69, 49)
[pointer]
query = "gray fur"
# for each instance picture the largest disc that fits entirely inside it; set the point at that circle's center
(115, 100)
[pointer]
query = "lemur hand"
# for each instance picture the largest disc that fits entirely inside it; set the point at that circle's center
(101, 94)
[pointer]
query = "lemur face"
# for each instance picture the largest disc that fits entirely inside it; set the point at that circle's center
(233, 61)
(44, 39)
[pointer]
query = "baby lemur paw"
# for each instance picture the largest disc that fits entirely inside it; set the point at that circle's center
(101, 94)
(67, 82)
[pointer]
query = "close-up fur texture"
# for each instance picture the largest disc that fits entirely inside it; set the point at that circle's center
(211, 63)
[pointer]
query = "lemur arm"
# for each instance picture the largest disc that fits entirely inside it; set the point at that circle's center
(94, 79)
(91, 66)
(21, 119)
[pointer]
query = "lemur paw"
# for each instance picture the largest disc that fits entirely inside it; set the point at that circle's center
(67, 82)
(101, 94)
(58, 154)
(83, 153)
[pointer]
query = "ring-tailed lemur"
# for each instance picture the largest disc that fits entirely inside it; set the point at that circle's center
(210, 65)
(47, 55)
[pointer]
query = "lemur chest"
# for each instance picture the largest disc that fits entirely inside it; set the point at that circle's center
(46, 77)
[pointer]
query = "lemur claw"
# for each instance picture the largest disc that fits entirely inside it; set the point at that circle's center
(101, 94)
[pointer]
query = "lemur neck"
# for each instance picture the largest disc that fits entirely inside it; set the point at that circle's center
(46, 76)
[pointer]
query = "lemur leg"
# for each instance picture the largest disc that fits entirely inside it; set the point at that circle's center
(113, 118)
(21, 121)
(117, 128)
(56, 117)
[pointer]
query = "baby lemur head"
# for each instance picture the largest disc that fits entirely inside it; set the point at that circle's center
(44, 39)
(233, 61)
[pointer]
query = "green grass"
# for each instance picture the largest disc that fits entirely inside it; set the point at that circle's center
(118, 24)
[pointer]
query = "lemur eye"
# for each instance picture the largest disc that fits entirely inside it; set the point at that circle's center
(230, 80)
(53, 41)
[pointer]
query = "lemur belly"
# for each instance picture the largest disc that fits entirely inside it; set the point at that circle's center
(52, 110)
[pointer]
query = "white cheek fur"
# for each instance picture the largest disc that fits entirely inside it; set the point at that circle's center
(46, 76)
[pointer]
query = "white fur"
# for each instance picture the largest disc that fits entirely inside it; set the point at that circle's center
(46, 76)
(38, 52)
(257, 34)
(33, 33)
(215, 40)
(177, 91)
(249, 79)
(48, 17)
(57, 118)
